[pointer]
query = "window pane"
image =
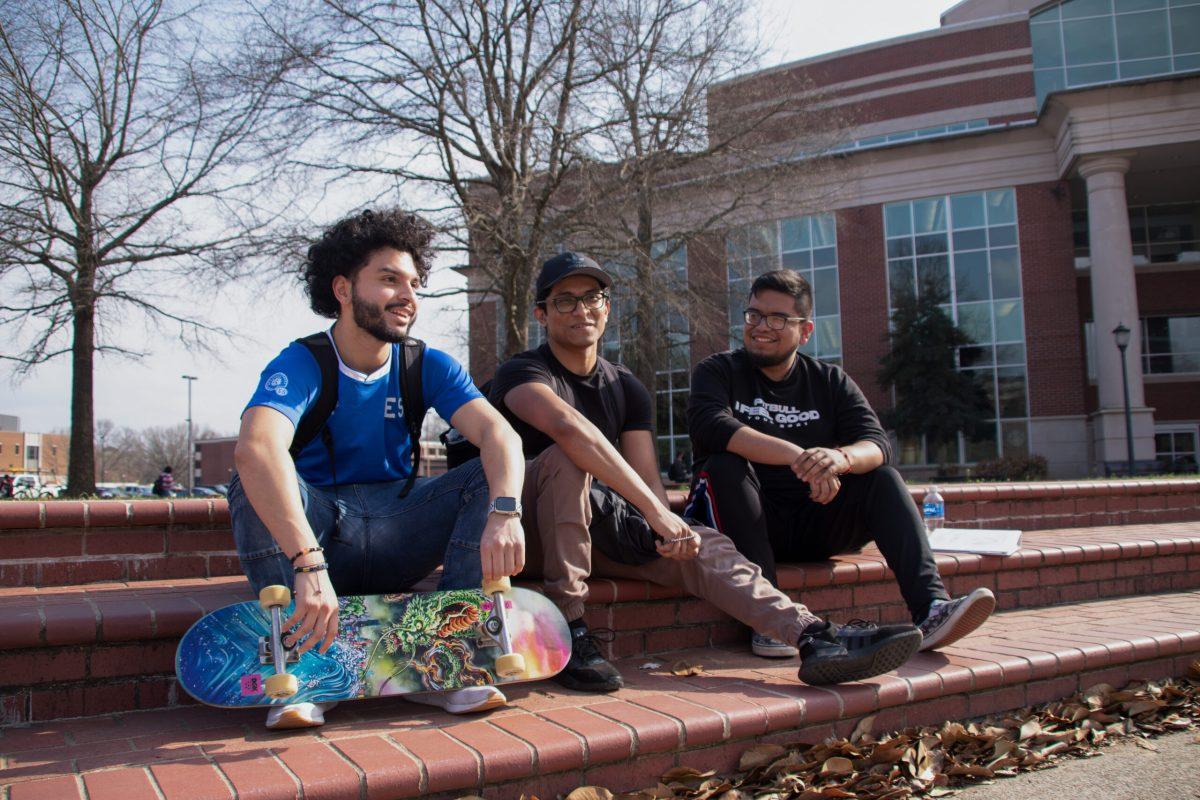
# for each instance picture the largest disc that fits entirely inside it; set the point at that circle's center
(1139, 5)
(1082, 76)
(1046, 81)
(985, 380)
(830, 335)
(1185, 30)
(975, 320)
(934, 272)
(825, 257)
(824, 230)
(1006, 281)
(900, 279)
(679, 401)
(1009, 325)
(1149, 66)
(1001, 207)
(899, 248)
(896, 219)
(1085, 8)
(825, 291)
(1011, 382)
(971, 276)
(929, 215)
(1185, 442)
(981, 444)
(931, 243)
(1142, 35)
(761, 264)
(795, 234)
(1047, 46)
(1089, 41)
(801, 259)
(1185, 63)
(970, 240)
(1002, 236)
(974, 357)
(1162, 443)
(1054, 12)
(967, 211)
(1010, 354)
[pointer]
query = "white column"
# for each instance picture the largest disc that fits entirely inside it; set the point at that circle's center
(1114, 302)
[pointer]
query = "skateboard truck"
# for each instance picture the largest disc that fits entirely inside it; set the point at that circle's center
(281, 685)
(510, 664)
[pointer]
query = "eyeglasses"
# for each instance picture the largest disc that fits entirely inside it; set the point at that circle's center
(566, 303)
(775, 322)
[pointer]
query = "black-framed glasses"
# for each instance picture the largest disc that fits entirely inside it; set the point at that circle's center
(567, 303)
(775, 322)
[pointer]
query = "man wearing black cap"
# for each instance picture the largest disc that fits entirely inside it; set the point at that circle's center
(592, 478)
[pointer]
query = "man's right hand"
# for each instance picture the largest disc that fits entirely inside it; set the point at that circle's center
(316, 613)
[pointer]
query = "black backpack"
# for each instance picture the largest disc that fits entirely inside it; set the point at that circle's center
(412, 399)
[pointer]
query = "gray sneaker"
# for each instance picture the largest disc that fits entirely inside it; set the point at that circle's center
(951, 620)
(767, 647)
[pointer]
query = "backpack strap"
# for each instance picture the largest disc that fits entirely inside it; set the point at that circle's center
(315, 416)
(412, 397)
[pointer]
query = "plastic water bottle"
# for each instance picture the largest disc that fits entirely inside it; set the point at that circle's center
(934, 510)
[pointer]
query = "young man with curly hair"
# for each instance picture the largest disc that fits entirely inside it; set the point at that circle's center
(336, 519)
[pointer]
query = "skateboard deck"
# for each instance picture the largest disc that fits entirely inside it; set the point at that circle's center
(386, 645)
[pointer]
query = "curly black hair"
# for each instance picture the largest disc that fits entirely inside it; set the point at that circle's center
(344, 248)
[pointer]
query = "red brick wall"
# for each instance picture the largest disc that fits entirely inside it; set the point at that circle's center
(862, 282)
(1174, 400)
(1168, 293)
(707, 280)
(1053, 330)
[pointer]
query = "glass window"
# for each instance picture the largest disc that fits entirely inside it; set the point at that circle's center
(1095, 73)
(1175, 447)
(1089, 41)
(1139, 5)
(1047, 46)
(1171, 345)
(982, 278)
(825, 292)
(1085, 8)
(796, 234)
(1185, 29)
(1142, 35)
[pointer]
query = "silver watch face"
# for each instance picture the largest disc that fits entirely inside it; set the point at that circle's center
(506, 505)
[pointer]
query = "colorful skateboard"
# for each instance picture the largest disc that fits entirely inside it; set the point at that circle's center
(386, 645)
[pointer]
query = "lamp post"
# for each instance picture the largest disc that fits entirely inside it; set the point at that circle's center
(1122, 334)
(191, 456)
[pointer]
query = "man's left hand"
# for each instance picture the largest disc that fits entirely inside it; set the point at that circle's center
(820, 464)
(502, 547)
(682, 547)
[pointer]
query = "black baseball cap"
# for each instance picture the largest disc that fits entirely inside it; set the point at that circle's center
(564, 265)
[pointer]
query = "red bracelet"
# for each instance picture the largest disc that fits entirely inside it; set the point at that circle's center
(845, 455)
(306, 551)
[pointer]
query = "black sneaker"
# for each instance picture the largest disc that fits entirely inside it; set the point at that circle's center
(855, 651)
(588, 670)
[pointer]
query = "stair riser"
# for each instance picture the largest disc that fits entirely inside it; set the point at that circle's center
(43, 683)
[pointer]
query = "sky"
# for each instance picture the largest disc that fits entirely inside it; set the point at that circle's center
(268, 315)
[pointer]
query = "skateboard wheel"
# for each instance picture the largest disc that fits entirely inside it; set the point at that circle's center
(272, 596)
(498, 585)
(282, 686)
(510, 665)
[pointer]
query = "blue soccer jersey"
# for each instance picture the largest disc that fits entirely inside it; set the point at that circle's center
(370, 439)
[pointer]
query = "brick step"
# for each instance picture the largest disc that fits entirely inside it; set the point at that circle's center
(550, 740)
(64, 543)
(82, 651)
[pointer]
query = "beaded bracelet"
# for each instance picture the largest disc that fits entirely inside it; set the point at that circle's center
(306, 551)
(313, 568)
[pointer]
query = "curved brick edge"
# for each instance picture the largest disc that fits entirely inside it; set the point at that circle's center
(110, 513)
(563, 740)
(113, 513)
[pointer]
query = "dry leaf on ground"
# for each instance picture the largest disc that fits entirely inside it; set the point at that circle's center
(683, 669)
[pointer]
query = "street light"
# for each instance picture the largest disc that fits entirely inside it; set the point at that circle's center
(191, 456)
(1122, 335)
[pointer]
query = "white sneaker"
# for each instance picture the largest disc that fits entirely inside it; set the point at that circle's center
(298, 715)
(766, 647)
(462, 701)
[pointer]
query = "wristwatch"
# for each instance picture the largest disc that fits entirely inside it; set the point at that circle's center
(505, 506)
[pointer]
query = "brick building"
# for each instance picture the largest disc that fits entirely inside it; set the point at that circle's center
(41, 454)
(1043, 161)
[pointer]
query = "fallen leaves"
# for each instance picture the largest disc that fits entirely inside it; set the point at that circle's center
(683, 669)
(937, 761)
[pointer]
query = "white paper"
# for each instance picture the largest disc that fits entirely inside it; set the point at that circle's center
(975, 540)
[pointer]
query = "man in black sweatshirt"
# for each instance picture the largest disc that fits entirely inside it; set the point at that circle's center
(791, 464)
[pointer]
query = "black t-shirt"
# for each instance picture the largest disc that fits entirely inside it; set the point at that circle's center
(816, 405)
(593, 395)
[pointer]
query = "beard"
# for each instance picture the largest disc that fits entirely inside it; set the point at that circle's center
(373, 319)
(763, 361)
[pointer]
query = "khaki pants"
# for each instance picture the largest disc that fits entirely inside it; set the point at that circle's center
(559, 550)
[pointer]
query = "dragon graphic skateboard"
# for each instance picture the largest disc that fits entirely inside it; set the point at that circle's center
(386, 645)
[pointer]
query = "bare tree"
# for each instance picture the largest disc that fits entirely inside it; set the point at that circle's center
(670, 166)
(136, 143)
(467, 101)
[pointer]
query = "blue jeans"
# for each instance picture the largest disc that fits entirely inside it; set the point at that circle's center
(376, 542)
